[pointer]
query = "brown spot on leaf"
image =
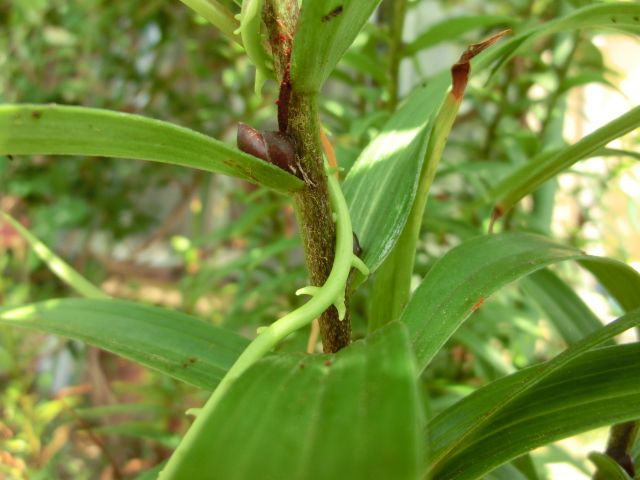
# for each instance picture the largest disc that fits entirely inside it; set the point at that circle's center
(36, 114)
(333, 13)
(189, 362)
(10, 157)
(460, 71)
(328, 363)
(477, 305)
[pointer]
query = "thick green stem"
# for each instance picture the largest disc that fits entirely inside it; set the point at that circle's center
(298, 111)
(394, 12)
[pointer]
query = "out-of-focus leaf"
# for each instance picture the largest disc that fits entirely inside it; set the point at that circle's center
(173, 343)
(530, 176)
(216, 14)
(620, 280)
(585, 78)
(352, 415)
(565, 310)
(64, 130)
(325, 31)
(464, 277)
(389, 168)
(57, 265)
(143, 431)
(607, 467)
(597, 388)
(617, 17)
(453, 29)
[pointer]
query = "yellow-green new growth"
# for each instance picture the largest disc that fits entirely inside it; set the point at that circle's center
(183, 464)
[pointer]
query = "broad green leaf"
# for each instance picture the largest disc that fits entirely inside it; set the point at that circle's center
(617, 17)
(352, 415)
(531, 175)
(465, 276)
(326, 29)
(452, 29)
(64, 130)
(594, 389)
(565, 310)
(173, 343)
(607, 467)
(388, 169)
(57, 265)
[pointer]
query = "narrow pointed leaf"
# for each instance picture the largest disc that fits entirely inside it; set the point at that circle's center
(617, 17)
(352, 415)
(452, 29)
(594, 389)
(326, 29)
(565, 310)
(65, 130)
(530, 176)
(465, 276)
(57, 265)
(170, 342)
(390, 167)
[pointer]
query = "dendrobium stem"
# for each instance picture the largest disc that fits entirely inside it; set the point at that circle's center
(331, 293)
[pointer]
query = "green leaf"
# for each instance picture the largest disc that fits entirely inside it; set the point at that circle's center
(594, 389)
(141, 430)
(452, 29)
(64, 130)
(216, 14)
(465, 276)
(351, 415)
(393, 283)
(619, 17)
(326, 29)
(57, 265)
(531, 175)
(607, 467)
(390, 167)
(565, 310)
(173, 343)
(620, 280)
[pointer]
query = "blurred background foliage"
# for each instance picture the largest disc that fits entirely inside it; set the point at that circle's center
(228, 251)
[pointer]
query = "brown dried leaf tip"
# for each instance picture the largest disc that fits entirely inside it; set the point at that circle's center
(460, 71)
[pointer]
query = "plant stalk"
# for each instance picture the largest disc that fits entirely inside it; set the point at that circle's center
(298, 115)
